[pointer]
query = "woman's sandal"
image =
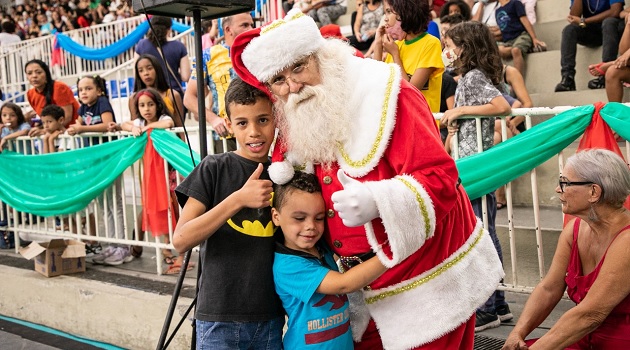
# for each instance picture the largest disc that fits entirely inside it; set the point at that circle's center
(596, 69)
(176, 268)
(501, 205)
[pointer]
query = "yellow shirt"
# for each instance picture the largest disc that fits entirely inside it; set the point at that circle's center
(425, 51)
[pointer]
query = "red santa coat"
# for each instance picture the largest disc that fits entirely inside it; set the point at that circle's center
(442, 263)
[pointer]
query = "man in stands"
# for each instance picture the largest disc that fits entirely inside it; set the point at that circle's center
(390, 188)
(218, 72)
(585, 28)
(8, 35)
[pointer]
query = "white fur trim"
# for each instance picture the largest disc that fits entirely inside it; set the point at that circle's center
(445, 298)
(281, 172)
(401, 197)
(374, 100)
(282, 43)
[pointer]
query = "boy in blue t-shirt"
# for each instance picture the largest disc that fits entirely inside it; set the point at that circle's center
(226, 212)
(305, 274)
(518, 35)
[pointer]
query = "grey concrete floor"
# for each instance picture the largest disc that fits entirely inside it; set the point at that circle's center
(141, 274)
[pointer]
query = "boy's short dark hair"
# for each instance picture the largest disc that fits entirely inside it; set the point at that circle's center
(53, 111)
(452, 19)
(241, 93)
(8, 27)
(301, 181)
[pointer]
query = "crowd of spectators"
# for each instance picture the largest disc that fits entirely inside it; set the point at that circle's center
(28, 19)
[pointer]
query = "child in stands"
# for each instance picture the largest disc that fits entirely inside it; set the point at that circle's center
(152, 113)
(418, 53)
(95, 112)
(95, 115)
(477, 93)
(14, 125)
(305, 272)
(53, 121)
(226, 212)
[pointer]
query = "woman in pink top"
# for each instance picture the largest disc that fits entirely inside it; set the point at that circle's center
(592, 261)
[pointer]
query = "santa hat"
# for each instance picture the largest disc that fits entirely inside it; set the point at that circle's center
(259, 54)
(262, 53)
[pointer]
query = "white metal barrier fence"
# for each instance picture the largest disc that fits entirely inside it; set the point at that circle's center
(112, 218)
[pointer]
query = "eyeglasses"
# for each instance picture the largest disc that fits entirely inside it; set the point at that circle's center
(564, 184)
(280, 82)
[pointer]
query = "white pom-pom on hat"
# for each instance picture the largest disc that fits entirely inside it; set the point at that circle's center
(281, 172)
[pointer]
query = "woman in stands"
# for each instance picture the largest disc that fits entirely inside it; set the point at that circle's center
(174, 53)
(46, 91)
(591, 261)
(149, 74)
(369, 14)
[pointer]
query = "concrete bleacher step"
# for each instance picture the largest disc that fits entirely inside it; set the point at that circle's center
(543, 69)
(551, 11)
(550, 32)
(572, 98)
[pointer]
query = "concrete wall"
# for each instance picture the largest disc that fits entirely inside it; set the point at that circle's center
(125, 317)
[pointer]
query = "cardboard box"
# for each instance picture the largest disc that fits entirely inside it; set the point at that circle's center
(57, 257)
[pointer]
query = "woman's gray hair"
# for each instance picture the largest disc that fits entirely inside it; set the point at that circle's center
(606, 169)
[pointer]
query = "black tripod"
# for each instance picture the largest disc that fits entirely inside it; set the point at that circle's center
(163, 342)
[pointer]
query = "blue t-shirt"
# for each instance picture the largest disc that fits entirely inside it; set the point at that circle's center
(434, 29)
(316, 321)
(23, 147)
(592, 7)
(91, 115)
(508, 19)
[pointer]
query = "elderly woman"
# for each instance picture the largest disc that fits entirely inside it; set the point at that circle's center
(592, 261)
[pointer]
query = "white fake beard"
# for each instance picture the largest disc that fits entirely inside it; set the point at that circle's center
(315, 121)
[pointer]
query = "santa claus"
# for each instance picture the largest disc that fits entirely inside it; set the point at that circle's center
(390, 188)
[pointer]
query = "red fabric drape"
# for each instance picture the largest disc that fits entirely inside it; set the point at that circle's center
(156, 198)
(598, 135)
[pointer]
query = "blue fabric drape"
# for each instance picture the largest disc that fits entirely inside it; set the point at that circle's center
(113, 50)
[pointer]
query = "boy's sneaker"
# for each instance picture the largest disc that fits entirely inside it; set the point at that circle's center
(91, 250)
(504, 313)
(485, 320)
(99, 259)
(121, 255)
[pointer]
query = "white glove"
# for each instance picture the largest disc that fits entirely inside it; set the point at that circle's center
(354, 204)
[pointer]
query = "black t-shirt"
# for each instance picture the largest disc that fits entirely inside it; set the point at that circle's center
(449, 85)
(237, 260)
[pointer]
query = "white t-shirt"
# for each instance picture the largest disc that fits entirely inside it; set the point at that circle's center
(6, 38)
(140, 122)
(488, 18)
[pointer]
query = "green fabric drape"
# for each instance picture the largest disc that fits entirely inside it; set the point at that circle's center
(485, 172)
(63, 183)
(66, 182)
(176, 152)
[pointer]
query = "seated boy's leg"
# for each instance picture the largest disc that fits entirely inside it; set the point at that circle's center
(240, 335)
(520, 47)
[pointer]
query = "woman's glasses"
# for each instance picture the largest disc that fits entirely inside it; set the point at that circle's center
(565, 183)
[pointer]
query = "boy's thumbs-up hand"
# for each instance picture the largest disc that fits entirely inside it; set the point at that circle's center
(257, 192)
(354, 204)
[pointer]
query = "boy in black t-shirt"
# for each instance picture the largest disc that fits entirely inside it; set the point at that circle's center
(226, 211)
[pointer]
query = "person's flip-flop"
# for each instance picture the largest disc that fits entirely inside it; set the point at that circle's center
(501, 205)
(176, 268)
(596, 69)
(169, 260)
